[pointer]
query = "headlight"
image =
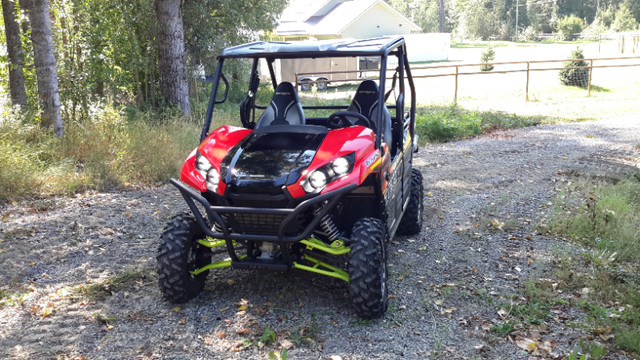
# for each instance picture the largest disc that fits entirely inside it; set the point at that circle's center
(213, 179)
(340, 166)
(208, 172)
(318, 179)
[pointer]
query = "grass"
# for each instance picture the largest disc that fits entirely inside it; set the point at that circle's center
(111, 148)
(447, 123)
(601, 216)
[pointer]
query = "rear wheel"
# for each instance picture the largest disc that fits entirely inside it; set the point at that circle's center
(321, 83)
(368, 268)
(411, 222)
(179, 254)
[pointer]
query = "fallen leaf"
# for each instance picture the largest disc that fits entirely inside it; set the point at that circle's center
(221, 335)
(243, 331)
(176, 309)
(286, 343)
(429, 194)
(47, 311)
(527, 344)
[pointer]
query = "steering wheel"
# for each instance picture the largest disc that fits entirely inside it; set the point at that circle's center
(342, 119)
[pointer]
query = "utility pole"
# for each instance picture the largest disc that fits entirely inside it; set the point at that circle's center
(517, 8)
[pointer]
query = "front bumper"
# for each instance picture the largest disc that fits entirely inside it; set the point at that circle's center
(214, 215)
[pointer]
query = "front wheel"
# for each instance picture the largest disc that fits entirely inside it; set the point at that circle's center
(179, 254)
(411, 222)
(368, 268)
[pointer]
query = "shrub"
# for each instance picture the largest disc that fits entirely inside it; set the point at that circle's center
(530, 34)
(571, 76)
(487, 57)
(569, 26)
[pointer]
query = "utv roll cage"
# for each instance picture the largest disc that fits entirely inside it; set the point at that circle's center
(382, 47)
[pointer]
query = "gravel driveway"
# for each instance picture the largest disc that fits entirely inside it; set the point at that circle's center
(78, 276)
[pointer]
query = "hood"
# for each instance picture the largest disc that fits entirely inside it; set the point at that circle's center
(271, 157)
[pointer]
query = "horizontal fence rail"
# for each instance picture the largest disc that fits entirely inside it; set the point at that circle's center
(522, 67)
(458, 70)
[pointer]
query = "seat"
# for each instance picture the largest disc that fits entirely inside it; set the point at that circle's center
(284, 109)
(365, 102)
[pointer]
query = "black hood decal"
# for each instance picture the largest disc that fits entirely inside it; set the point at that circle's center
(271, 157)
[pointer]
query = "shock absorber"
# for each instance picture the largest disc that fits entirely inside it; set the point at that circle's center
(328, 228)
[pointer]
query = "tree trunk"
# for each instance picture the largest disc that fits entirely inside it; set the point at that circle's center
(14, 50)
(45, 62)
(173, 85)
(441, 16)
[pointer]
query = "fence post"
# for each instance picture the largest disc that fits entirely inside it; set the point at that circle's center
(590, 74)
(455, 96)
(527, 87)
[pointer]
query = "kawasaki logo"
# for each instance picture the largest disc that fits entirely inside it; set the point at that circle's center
(371, 159)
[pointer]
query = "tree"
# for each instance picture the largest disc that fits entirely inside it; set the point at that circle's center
(45, 63)
(487, 57)
(569, 26)
(171, 56)
(624, 20)
(14, 50)
(571, 76)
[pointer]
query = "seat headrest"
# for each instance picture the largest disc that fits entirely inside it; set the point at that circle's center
(366, 98)
(284, 108)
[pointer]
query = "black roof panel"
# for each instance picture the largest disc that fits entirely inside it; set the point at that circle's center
(314, 48)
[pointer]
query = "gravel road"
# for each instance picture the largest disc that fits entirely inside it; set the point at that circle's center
(78, 276)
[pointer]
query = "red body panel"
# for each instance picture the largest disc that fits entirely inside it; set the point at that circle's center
(339, 142)
(214, 147)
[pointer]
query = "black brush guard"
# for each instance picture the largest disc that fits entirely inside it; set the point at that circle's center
(214, 215)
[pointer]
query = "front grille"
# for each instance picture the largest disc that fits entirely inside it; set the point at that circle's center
(258, 223)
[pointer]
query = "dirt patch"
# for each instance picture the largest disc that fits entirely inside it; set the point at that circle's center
(78, 275)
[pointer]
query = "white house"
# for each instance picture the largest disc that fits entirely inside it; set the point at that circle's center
(330, 19)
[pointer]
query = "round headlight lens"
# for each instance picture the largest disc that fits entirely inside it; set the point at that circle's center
(318, 179)
(203, 164)
(340, 166)
(213, 179)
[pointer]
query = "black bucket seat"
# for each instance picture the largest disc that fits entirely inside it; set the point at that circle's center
(365, 102)
(284, 109)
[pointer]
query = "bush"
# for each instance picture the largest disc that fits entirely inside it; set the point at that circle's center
(487, 56)
(530, 34)
(569, 26)
(575, 77)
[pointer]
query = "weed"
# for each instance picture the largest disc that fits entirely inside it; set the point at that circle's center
(278, 355)
(588, 351)
(504, 329)
(602, 215)
(629, 339)
(105, 319)
(268, 336)
(306, 334)
(110, 286)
